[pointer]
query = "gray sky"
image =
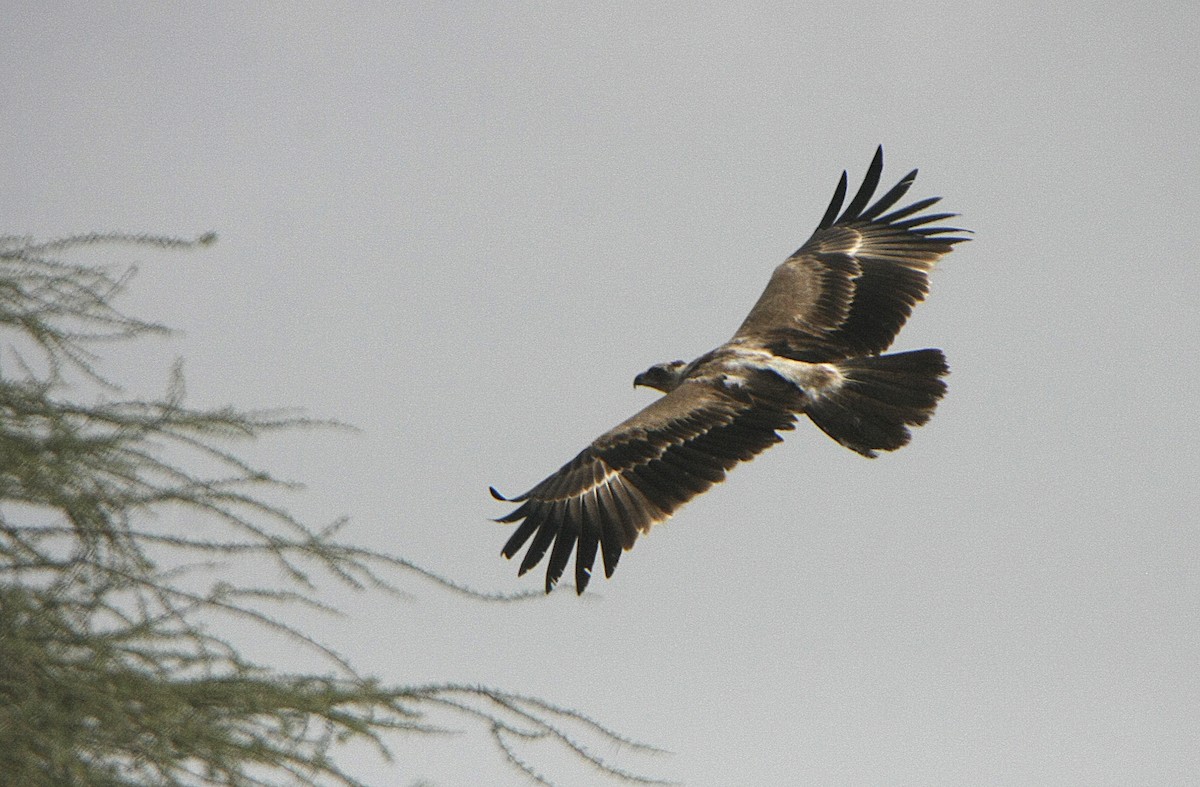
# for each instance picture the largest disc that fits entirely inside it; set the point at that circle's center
(464, 228)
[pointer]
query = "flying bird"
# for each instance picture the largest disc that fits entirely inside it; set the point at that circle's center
(810, 346)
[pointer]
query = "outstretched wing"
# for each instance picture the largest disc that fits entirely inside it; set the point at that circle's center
(638, 474)
(849, 289)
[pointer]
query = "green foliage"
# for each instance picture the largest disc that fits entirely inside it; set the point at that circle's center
(108, 674)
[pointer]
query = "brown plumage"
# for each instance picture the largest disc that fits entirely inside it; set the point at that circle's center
(810, 345)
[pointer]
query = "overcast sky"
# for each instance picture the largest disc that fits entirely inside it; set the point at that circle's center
(465, 227)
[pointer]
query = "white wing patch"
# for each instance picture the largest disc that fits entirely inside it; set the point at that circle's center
(815, 379)
(857, 245)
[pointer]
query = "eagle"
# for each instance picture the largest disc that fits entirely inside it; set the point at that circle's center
(812, 345)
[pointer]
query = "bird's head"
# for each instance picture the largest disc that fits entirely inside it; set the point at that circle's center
(664, 377)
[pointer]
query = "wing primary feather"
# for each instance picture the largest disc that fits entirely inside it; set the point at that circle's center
(835, 204)
(869, 184)
(953, 240)
(520, 513)
(917, 221)
(937, 231)
(533, 520)
(891, 198)
(611, 529)
(504, 499)
(908, 210)
(564, 541)
(549, 526)
(589, 539)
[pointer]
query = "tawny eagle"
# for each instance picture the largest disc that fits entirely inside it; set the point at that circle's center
(811, 345)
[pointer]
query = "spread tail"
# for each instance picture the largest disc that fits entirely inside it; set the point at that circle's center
(879, 398)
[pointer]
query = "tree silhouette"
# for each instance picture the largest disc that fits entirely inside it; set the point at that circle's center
(116, 517)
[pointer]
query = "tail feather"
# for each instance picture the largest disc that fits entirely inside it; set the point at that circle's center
(879, 398)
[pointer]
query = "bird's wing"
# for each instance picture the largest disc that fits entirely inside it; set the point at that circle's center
(849, 289)
(637, 474)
